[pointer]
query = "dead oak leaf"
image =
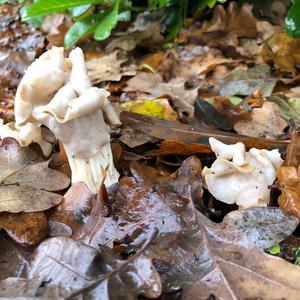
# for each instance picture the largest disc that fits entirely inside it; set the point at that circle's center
(108, 67)
(289, 178)
(243, 81)
(203, 257)
(27, 229)
(282, 51)
(26, 185)
(154, 86)
(266, 122)
(224, 29)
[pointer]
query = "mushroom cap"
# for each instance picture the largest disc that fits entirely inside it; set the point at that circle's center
(241, 177)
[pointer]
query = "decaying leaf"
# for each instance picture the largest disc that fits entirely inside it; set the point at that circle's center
(225, 29)
(27, 229)
(153, 85)
(108, 67)
(289, 178)
(188, 134)
(81, 211)
(282, 51)
(14, 259)
(289, 108)
(25, 184)
(203, 257)
(266, 122)
(95, 273)
(247, 81)
(157, 108)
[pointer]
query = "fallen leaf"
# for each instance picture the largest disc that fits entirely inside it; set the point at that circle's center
(14, 259)
(27, 229)
(65, 263)
(157, 108)
(107, 67)
(195, 252)
(81, 211)
(266, 122)
(146, 31)
(153, 85)
(247, 81)
(13, 288)
(25, 185)
(188, 134)
(133, 138)
(289, 178)
(282, 51)
(169, 147)
(224, 29)
(289, 108)
(231, 265)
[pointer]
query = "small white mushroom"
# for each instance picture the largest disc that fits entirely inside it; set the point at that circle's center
(72, 109)
(241, 177)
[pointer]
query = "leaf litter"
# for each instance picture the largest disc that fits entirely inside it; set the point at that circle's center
(158, 231)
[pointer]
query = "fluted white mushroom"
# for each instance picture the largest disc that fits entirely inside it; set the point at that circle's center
(241, 177)
(57, 92)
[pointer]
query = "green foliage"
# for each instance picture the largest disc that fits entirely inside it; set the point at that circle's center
(274, 249)
(108, 14)
(292, 20)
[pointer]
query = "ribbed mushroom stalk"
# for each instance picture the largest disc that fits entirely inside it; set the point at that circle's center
(57, 92)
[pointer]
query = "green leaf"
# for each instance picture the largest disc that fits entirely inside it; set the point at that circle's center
(210, 3)
(292, 20)
(108, 23)
(274, 249)
(82, 27)
(78, 10)
(44, 7)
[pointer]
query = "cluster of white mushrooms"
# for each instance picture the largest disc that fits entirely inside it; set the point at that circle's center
(56, 92)
(241, 177)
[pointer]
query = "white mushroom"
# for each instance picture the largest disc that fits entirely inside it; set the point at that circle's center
(241, 177)
(57, 92)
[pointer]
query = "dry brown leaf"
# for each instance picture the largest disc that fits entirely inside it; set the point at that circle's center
(108, 67)
(188, 134)
(27, 229)
(282, 51)
(26, 184)
(176, 147)
(225, 28)
(266, 122)
(289, 178)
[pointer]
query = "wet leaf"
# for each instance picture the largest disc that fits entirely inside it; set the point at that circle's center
(27, 229)
(12, 288)
(25, 185)
(266, 122)
(14, 259)
(247, 81)
(217, 264)
(81, 211)
(94, 273)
